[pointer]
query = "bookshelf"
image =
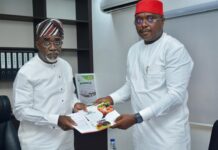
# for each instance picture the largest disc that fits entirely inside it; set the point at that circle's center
(79, 24)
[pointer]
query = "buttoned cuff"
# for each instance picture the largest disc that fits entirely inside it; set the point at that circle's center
(53, 119)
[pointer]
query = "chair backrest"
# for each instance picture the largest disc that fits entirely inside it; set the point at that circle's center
(8, 134)
(213, 145)
(5, 109)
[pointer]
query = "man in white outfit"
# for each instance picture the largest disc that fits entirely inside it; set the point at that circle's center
(158, 72)
(44, 94)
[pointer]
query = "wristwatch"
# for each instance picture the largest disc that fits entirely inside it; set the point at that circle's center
(138, 118)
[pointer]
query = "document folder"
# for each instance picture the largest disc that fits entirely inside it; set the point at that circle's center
(3, 66)
(20, 59)
(8, 66)
(12, 60)
(14, 64)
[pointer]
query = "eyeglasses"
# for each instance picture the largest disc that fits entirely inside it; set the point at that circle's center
(48, 43)
(150, 19)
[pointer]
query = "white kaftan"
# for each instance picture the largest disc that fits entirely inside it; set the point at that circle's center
(41, 93)
(157, 79)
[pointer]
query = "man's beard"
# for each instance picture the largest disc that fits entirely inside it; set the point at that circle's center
(53, 60)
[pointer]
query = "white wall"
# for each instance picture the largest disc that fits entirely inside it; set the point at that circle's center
(200, 137)
(112, 35)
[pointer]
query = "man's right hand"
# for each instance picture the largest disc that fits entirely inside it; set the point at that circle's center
(66, 123)
(104, 99)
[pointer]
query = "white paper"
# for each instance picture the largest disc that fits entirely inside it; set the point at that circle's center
(87, 121)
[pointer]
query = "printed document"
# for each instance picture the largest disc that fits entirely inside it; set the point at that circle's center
(94, 120)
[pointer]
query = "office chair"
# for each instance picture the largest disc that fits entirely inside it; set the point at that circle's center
(8, 133)
(213, 145)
